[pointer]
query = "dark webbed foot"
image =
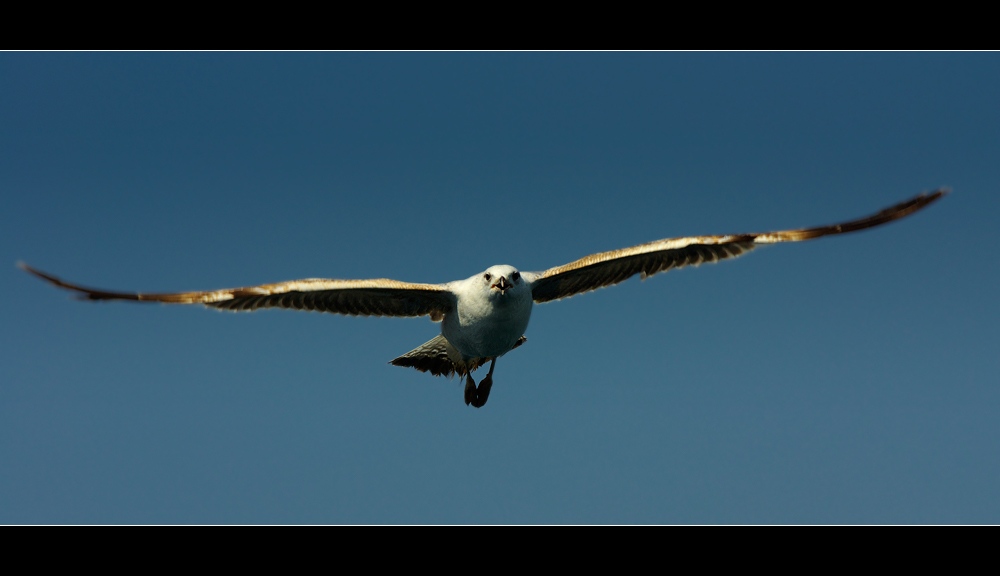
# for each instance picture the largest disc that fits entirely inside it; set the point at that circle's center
(478, 397)
(483, 394)
(470, 390)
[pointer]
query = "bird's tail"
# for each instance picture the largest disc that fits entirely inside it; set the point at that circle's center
(440, 358)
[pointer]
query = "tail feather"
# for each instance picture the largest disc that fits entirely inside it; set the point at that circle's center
(440, 358)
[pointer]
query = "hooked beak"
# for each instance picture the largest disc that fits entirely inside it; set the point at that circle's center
(502, 284)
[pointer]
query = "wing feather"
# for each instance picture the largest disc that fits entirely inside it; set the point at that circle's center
(609, 268)
(379, 297)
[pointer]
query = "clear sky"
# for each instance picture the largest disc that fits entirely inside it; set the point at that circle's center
(848, 379)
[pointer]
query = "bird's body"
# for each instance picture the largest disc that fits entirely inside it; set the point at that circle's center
(488, 322)
(485, 316)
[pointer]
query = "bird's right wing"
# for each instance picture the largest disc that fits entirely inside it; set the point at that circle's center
(379, 297)
(609, 268)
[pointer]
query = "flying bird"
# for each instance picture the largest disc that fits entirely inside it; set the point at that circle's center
(484, 316)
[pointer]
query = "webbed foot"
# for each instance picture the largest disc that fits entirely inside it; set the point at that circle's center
(483, 393)
(470, 390)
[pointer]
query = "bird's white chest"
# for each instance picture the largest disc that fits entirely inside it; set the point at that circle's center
(485, 325)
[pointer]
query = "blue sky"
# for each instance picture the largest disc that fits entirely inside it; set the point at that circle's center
(850, 379)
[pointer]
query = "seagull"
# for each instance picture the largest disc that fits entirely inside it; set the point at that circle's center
(485, 316)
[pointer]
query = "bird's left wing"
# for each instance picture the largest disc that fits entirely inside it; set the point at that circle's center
(379, 297)
(608, 268)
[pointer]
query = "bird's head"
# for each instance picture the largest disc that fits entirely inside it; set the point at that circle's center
(503, 280)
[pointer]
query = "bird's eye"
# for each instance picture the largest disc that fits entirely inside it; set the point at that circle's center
(516, 276)
(488, 277)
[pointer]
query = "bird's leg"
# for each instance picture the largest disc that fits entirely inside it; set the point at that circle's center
(470, 389)
(484, 387)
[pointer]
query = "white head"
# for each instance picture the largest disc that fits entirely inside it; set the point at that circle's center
(503, 281)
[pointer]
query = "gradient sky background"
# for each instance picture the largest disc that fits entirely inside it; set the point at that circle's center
(849, 379)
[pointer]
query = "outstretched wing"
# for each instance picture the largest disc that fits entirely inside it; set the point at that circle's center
(354, 297)
(608, 268)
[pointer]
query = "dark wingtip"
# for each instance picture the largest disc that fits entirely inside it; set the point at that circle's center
(924, 199)
(35, 272)
(24, 266)
(940, 193)
(82, 293)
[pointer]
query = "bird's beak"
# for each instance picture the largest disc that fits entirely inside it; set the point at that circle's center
(502, 284)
